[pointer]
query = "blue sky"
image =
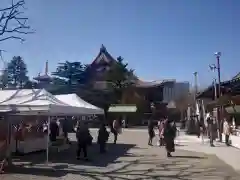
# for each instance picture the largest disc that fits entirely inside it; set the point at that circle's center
(158, 38)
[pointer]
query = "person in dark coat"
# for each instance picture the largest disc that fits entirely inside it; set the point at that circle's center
(169, 136)
(211, 129)
(65, 130)
(115, 127)
(151, 133)
(83, 138)
(54, 130)
(103, 136)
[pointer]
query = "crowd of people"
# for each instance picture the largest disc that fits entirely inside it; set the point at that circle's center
(211, 130)
(167, 133)
(83, 135)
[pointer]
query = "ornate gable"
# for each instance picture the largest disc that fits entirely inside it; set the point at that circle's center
(103, 58)
(101, 64)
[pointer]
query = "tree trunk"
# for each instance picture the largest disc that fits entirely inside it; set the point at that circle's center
(15, 81)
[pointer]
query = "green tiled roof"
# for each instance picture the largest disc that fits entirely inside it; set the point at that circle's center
(236, 76)
(232, 110)
(121, 108)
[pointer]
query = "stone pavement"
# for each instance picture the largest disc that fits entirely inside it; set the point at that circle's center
(229, 155)
(131, 158)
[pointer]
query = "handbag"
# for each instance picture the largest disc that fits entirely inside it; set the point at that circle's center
(119, 130)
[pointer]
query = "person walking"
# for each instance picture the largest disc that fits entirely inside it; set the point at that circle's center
(169, 136)
(202, 130)
(226, 131)
(103, 136)
(160, 129)
(65, 130)
(83, 139)
(198, 127)
(211, 128)
(115, 128)
(54, 130)
(151, 133)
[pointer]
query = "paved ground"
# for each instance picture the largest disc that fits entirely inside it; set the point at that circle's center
(229, 155)
(131, 158)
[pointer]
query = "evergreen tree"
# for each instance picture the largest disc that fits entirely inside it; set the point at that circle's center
(17, 72)
(72, 73)
(3, 79)
(119, 77)
(30, 85)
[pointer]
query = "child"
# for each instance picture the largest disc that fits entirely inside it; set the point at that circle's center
(102, 138)
(161, 129)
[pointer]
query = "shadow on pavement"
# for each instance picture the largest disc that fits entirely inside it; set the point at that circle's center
(137, 164)
(68, 156)
(177, 144)
(189, 157)
(141, 167)
(36, 171)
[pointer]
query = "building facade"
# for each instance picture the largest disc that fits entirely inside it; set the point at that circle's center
(145, 92)
(175, 90)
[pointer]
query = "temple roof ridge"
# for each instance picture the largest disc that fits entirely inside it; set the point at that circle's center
(104, 55)
(237, 76)
(103, 48)
(158, 81)
(144, 83)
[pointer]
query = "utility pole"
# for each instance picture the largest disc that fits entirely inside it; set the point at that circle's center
(218, 55)
(195, 84)
(4, 73)
(196, 109)
(213, 69)
(219, 110)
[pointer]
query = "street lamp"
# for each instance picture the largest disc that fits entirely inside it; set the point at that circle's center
(218, 55)
(196, 85)
(213, 69)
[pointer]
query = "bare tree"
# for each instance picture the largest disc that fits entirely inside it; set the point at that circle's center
(12, 24)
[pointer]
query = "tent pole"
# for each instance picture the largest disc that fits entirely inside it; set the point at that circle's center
(9, 136)
(48, 133)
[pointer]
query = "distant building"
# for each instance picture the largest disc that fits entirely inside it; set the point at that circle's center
(158, 92)
(44, 81)
(175, 90)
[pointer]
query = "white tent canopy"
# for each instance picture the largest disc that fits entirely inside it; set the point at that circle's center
(37, 102)
(74, 100)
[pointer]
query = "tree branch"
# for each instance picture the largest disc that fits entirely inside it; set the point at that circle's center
(19, 3)
(12, 37)
(11, 17)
